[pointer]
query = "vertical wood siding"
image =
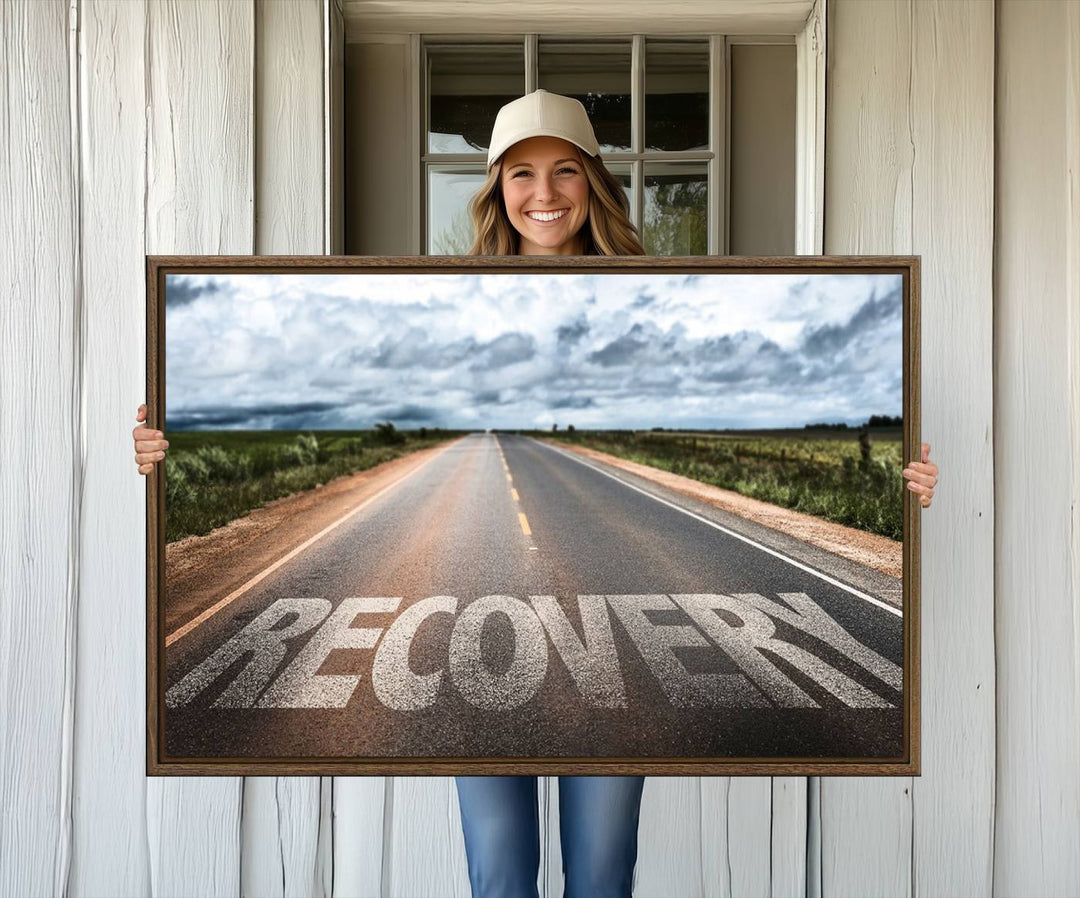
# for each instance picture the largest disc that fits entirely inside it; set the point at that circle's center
(41, 453)
(175, 127)
(424, 851)
(865, 823)
(108, 820)
(1036, 839)
(285, 849)
(909, 169)
(199, 197)
(952, 227)
(360, 807)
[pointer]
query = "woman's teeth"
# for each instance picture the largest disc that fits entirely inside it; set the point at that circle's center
(546, 216)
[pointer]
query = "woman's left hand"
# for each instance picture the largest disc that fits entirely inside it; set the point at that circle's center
(922, 477)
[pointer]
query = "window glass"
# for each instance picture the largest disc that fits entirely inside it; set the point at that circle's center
(597, 74)
(449, 190)
(676, 209)
(676, 95)
(623, 176)
(467, 84)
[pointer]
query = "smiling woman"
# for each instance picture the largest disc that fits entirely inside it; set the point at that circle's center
(547, 191)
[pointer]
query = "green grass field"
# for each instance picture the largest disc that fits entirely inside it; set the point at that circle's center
(826, 473)
(213, 477)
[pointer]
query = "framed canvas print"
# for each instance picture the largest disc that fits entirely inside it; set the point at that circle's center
(524, 515)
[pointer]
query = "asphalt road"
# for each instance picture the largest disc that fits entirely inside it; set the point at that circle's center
(510, 598)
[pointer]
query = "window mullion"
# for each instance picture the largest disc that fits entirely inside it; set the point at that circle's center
(422, 234)
(637, 128)
(717, 187)
(532, 53)
(725, 144)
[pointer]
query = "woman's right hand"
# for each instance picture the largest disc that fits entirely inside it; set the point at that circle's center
(150, 445)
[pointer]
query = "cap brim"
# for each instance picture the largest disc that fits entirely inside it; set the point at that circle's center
(494, 153)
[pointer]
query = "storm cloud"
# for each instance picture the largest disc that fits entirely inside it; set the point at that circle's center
(831, 339)
(571, 334)
(181, 290)
(622, 350)
(528, 350)
(508, 349)
(245, 417)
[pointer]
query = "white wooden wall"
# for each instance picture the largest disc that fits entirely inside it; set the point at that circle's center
(909, 146)
(183, 127)
(1036, 838)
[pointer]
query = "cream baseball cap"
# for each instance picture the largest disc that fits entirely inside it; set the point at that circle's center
(541, 113)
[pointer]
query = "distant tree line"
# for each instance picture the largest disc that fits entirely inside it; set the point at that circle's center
(872, 421)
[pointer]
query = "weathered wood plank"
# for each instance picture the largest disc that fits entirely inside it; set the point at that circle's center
(41, 447)
(289, 128)
(280, 837)
(909, 170)
(736, 841)
(670, 842)
(796, 834)
(359, 844)
(952, 130)
(282, 815)
(865, 838)
(424, 851)
(108, 815)
(334, 125)
(810, 133)
(789, 829)
(1036, 835)
(360, 813)
(200, 194)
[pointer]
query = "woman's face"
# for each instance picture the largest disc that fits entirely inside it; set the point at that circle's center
(546, 195)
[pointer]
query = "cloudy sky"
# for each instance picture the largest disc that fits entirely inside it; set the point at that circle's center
(296, 351)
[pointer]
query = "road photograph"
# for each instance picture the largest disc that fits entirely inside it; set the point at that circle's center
(533, 515)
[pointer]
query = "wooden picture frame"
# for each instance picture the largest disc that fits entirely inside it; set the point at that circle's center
(775, 667)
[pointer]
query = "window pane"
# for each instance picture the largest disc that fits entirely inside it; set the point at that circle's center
(676, 209)
(597, 74)
(623, 176)
(466, 86)
(449, 191)
(676, 95)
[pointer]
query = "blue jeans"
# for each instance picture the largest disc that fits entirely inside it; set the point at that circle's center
(598, 823)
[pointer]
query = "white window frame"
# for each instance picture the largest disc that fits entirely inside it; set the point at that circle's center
(810, 124)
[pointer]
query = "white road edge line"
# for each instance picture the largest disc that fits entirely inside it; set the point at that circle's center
(862, 595)
(236, 593)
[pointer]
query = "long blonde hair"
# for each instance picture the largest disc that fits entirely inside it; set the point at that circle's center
(607, 231)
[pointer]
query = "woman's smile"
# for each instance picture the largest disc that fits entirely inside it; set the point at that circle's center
(542, 216)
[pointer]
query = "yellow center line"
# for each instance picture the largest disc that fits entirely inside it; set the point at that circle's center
(513, 492)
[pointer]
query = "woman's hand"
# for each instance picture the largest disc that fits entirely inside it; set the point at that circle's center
(922, 477)
(150, 444)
